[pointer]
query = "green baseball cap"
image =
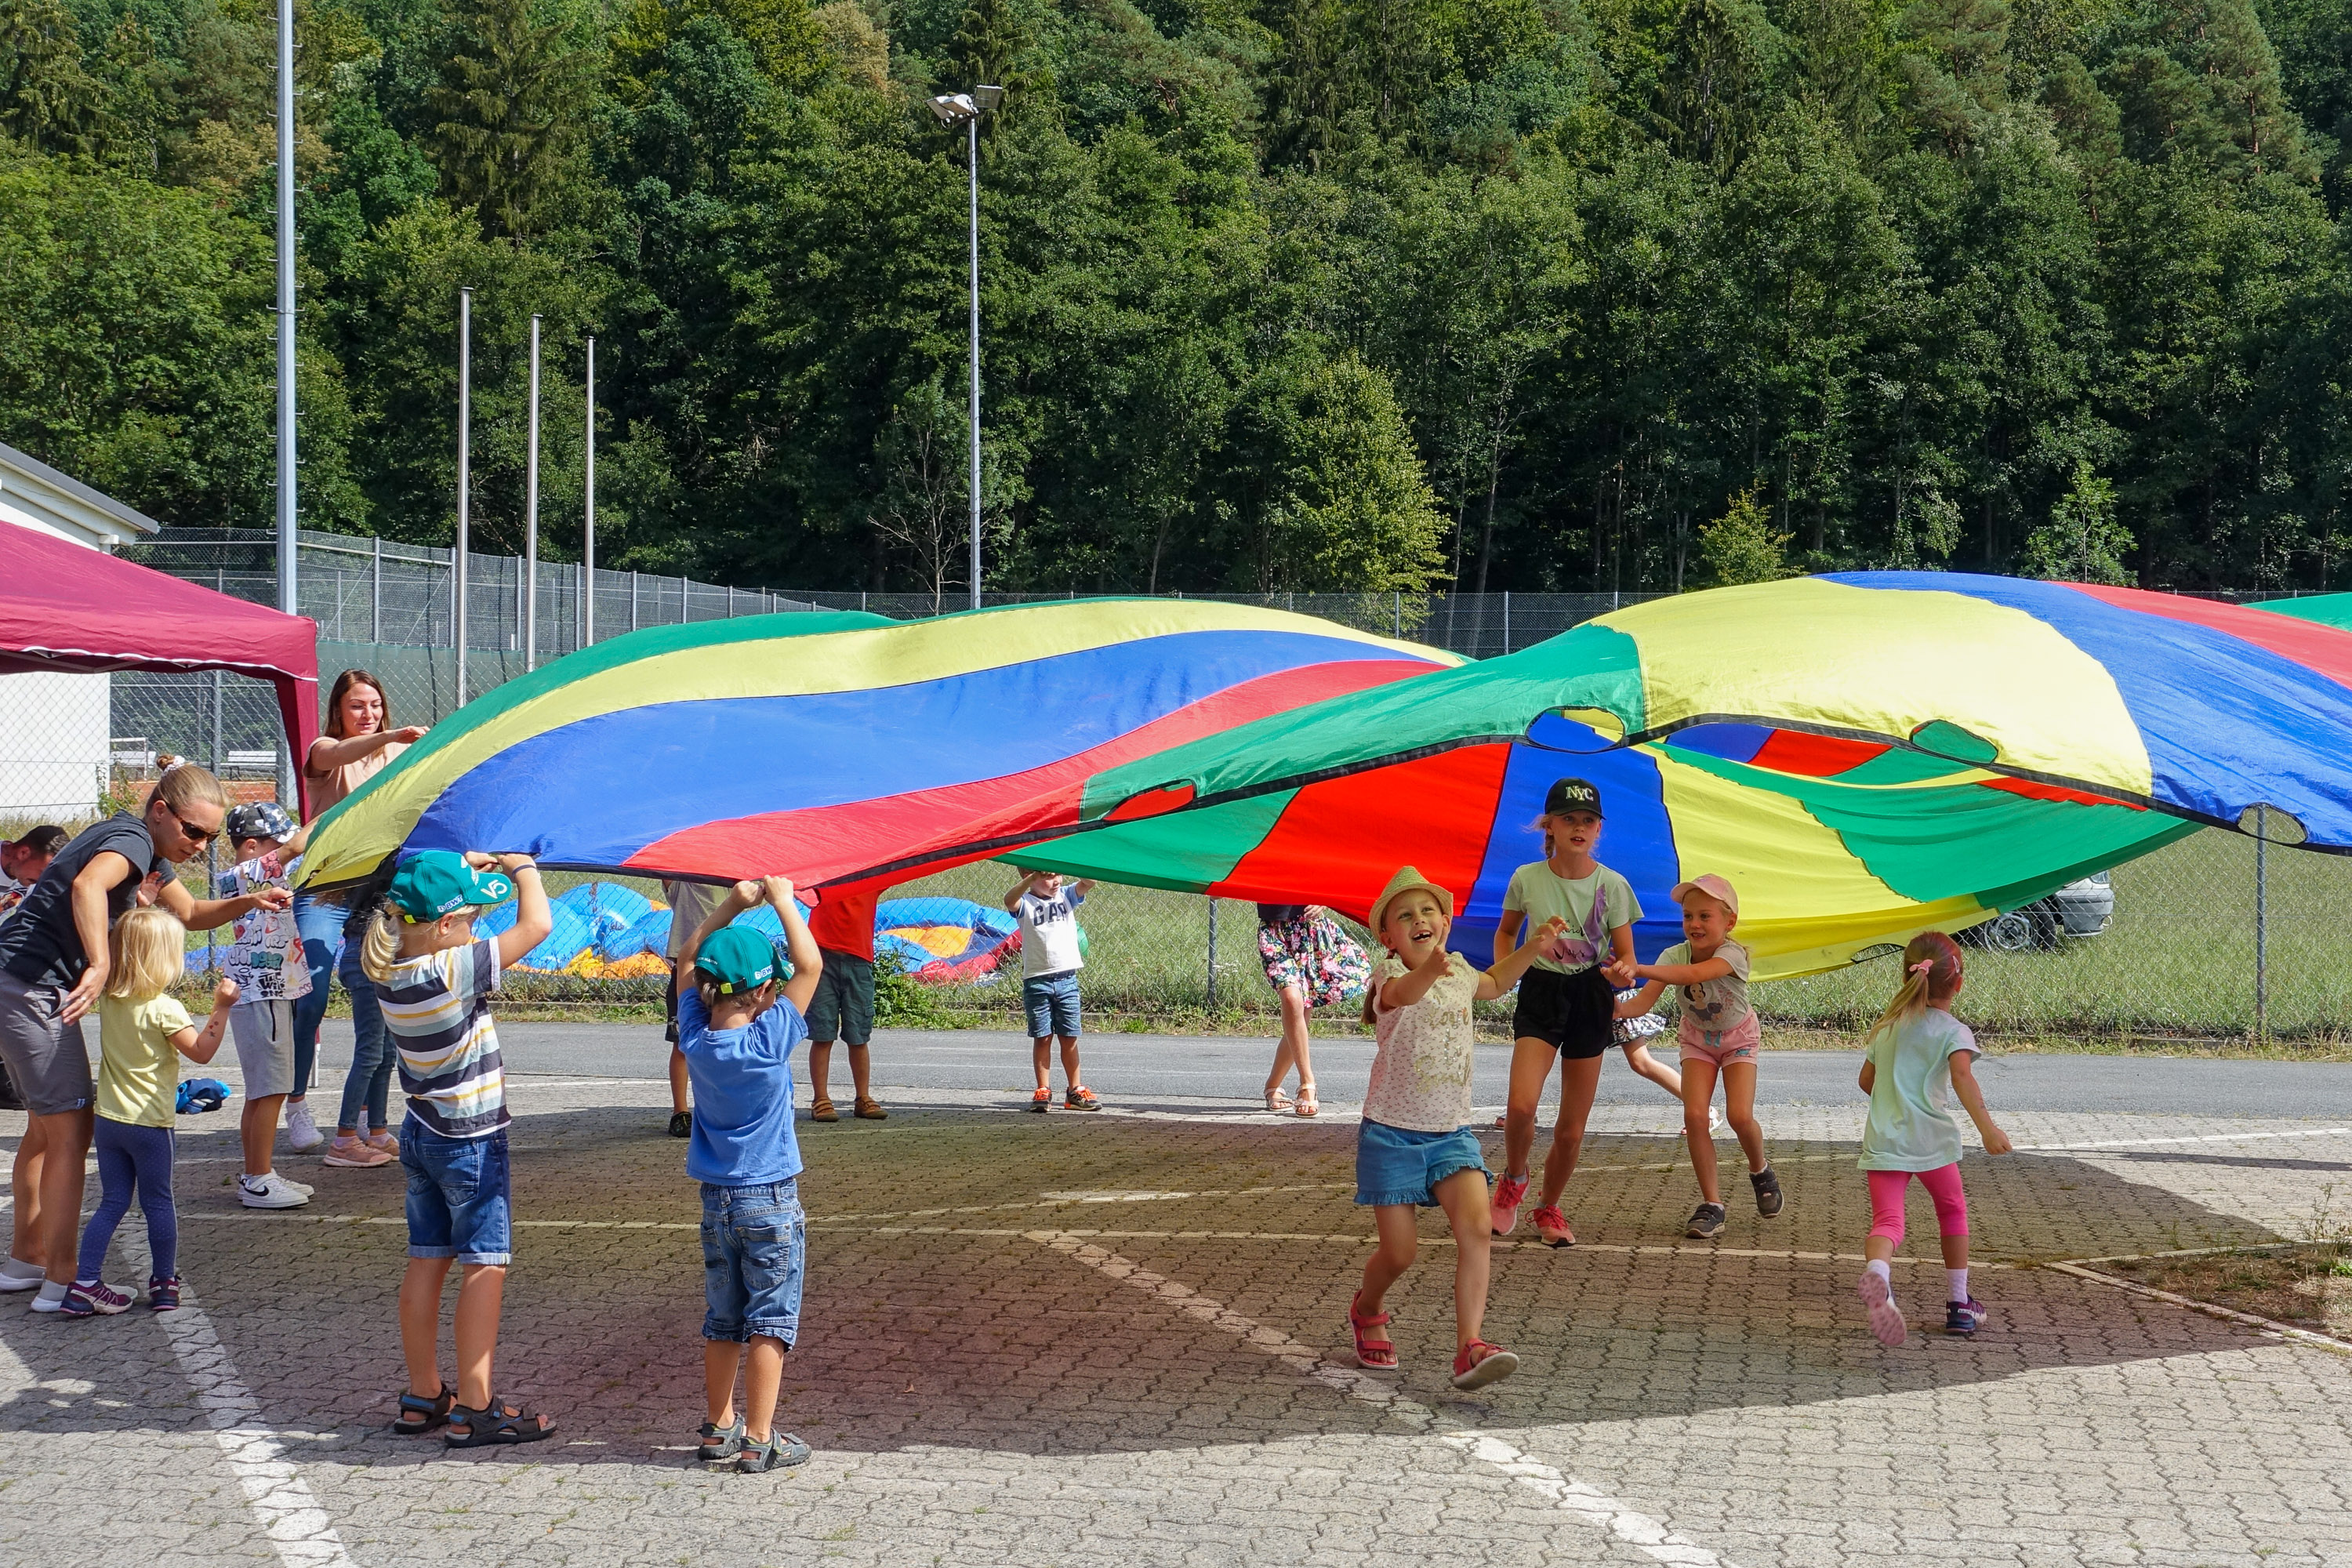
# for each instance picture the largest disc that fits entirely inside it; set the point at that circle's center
(439, 882)
(738, 958)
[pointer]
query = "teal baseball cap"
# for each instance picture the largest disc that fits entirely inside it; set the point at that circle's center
(438, 882)
(738, 958)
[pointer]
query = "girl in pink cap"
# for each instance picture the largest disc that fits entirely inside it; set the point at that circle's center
(1719, 1034)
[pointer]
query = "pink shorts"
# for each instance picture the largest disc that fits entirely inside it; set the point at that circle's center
(1737, 1044)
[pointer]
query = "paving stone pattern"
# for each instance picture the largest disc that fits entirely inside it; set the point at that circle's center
(1090, 1339)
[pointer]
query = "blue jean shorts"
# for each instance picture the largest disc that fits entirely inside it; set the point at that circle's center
(460, 1202)
(754, 1256)
(1052, 1003)
(1395, 1165)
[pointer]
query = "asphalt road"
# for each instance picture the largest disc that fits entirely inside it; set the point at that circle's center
(1220, 1067)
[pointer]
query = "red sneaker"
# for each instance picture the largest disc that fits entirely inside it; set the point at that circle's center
(1042, 1100)
(1551, 1227)
(1503, 1210)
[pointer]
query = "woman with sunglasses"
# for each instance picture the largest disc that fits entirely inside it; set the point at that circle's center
(53, 961)
(360, 741)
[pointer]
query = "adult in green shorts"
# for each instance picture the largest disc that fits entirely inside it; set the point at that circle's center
(843, 1009)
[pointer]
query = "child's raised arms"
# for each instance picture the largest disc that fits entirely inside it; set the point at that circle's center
(800, 947)
(533, 919)
(1509, 967)
(1656, 978)
(199, 1045)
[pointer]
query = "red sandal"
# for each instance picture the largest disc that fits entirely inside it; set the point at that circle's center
(1369, 1356)
(1479, 1363)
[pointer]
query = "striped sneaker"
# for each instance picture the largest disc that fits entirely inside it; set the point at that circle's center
(92, 1298)
(163, 1295)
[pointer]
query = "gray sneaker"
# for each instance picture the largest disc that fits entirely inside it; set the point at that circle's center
(1706, 1220)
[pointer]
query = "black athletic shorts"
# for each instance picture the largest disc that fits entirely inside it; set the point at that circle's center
(1573, 1013)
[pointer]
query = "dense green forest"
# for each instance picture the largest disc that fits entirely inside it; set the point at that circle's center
(1306, 294)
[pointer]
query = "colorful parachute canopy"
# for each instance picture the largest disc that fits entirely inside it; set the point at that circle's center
(831, 748)
(1864, 756)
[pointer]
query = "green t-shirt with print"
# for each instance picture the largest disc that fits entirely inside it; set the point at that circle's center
(1539, 893)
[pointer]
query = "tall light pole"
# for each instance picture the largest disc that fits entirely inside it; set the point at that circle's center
(530, 519)
(465, 479)
(588, 534)
(288, 593)
(965, 108)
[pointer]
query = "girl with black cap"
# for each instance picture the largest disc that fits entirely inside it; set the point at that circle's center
(1567, 1008)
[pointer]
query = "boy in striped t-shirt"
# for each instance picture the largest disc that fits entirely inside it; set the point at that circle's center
(434, 981)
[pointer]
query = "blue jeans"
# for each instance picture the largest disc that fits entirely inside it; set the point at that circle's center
(755, 1254)
(458, 1195)
(131, 1156)
(1052, 1003)
(368, 1086)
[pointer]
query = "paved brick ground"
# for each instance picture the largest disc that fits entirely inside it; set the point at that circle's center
(1117, 1339)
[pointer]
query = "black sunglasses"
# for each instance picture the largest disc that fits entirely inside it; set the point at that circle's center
(188, 830)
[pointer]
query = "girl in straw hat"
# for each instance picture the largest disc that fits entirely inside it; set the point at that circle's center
(1415, 1146)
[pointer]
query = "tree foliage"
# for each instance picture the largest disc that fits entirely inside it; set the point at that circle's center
(1331, 295)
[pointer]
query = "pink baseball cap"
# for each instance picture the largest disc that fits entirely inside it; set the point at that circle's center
(1713, 886)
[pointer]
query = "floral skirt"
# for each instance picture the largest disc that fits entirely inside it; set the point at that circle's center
(1311, 952)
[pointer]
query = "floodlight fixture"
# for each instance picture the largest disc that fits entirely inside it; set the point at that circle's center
(954, 108)
(987, 98)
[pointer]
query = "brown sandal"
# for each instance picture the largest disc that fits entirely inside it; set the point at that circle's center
(870, 1109)
(823, 1110)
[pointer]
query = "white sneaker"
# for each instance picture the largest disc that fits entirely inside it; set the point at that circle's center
(302, 1134)
(16, 1274)
(272, 1192)
(305, 1188)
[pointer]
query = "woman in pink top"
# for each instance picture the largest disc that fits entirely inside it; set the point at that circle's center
(360, 741)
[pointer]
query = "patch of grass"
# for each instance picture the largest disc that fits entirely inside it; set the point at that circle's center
(2306, 1285)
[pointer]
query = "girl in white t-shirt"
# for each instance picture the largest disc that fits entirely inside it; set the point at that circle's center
(1918, 1055)
(1414, 1146)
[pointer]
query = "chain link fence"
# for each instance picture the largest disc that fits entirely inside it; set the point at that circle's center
(2214, 936)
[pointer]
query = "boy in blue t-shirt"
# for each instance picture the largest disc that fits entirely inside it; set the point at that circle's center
(738, 1044)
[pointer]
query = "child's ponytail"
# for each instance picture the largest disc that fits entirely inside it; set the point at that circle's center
(380, 946)
(1931, 968)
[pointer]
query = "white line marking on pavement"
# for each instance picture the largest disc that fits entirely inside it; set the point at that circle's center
(282, 1502)
(1571, 1496)
(2202, 1138)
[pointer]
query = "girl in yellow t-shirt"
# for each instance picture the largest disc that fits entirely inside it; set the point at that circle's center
(139, 1030)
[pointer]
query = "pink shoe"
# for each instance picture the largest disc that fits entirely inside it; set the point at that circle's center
(1886, 1317)
(355, 1153)
(387, 1141)
(1503, 1213)
(1551, 1227)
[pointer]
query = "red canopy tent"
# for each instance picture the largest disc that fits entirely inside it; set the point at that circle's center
(66, 608)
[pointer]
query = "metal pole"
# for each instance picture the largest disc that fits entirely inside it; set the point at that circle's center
(632, 601)
(530, 519)
(465, 481)
(2261, 923)
(1507, 620)
(973, 126)
(588, 546)
(1213, 955)
(212, 844)
(288, 563)
(375, 593)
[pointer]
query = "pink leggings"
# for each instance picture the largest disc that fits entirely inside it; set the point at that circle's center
(1943, 1185)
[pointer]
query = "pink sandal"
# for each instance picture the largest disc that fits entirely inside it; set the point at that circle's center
(1369, 1356)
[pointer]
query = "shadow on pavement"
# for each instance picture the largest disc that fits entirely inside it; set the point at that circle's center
(958, 1330)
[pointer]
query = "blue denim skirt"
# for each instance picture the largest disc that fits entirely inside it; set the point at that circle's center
(1397, 1166)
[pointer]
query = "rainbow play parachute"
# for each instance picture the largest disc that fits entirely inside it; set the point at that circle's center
(1864, 756)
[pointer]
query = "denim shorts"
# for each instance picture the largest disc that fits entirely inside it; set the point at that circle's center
(1052, 1003)
(459, 1201)
(754, 1255)
(1395, 1165)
